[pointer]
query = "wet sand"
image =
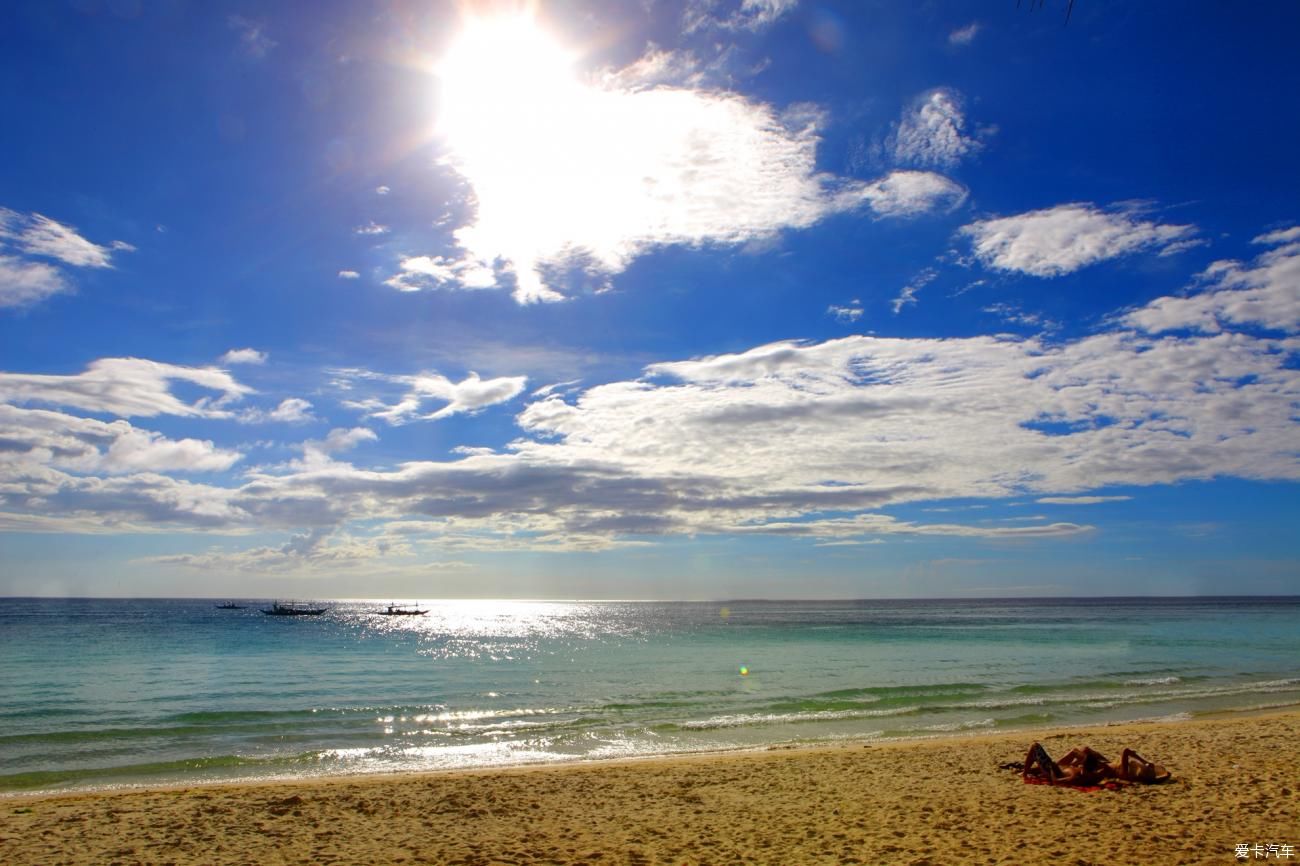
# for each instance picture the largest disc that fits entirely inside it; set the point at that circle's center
(929, 802)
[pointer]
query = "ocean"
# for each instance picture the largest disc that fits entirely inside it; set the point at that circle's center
(102, 693)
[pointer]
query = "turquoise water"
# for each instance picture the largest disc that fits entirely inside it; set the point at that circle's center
(101, 693)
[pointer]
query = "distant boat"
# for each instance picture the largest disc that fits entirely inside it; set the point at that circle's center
(293, 608)
(402, 610)
(230, 605)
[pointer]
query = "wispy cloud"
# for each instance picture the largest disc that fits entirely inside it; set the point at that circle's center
(847, 314)
(1080, 500)
(126, 387)
(24, 282)
(26, 238)
(469, 395)
(371, 228)
(907, 296)
(253, 38)
(964, 35)
(349, 275)
(291, 410)
(1015, 315)
(42, 236)
(751, 15)
(1062, 239)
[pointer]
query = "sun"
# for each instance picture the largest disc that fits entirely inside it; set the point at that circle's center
(499, 74)
(521, 127)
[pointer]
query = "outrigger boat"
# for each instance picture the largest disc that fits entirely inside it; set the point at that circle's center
(230, 605)
(293, 608)
(402, 610)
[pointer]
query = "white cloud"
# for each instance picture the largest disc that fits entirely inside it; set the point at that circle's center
(932, 131)
(1015, 315)
(1264, 293)
(39, 437)
(572, 176)
(790, 438)
(243, 356)
(469, 395)
(383, 190)
(348, 275)
(316, 452)
(912, 193)
(751, 15)
(473, 451)
(371, 228)
(420, 272)
(1280, 236)
(907, 296)
(292, 410)
(43, 236)
(845, 314)
(964, 35)
(340, 439)
(1080, 500)
(1065, 238)
(146, 451)
(126, 387)
(658, 66)
(881, 525)
(23, 283)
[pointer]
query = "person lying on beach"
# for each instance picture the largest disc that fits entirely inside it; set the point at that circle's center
(1132, 767)
(1086, 767)
(1080, 767)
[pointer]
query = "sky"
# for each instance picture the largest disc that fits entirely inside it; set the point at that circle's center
(667, 300)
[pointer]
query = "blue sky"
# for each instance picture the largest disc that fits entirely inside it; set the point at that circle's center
(649, 300)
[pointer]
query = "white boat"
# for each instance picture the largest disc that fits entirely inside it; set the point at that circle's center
(293, 608)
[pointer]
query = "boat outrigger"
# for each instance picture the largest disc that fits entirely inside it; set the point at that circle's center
(402, 610)
(293, 608)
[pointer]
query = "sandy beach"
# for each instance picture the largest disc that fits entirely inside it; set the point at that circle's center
(925, 802)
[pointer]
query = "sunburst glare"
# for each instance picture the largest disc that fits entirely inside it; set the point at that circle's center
(508, 96)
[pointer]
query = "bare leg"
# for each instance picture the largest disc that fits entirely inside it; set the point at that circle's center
(1039, 765)
(1135, 768)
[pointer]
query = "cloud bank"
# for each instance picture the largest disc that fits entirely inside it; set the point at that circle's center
(789, 438)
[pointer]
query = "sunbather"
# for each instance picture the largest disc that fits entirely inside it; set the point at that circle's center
(1086, 766)
(1132, 767)
(1079, 767)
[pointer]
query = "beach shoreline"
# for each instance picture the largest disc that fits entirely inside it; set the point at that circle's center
(921, 800)
(1038, 731)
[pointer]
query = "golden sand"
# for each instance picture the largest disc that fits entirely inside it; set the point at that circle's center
(931, 802)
